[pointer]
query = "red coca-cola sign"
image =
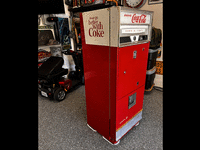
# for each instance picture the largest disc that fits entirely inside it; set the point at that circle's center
(138, 18)
(97, 27)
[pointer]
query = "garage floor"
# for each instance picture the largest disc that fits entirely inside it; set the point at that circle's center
(63, 125)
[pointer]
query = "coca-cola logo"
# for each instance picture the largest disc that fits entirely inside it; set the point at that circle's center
(138, 18)
(97, 28)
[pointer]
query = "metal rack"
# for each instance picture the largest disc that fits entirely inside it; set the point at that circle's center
(84, 8)
(92, 7)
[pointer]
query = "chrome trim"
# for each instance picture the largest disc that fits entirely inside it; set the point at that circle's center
(133, 43)
(128, 126)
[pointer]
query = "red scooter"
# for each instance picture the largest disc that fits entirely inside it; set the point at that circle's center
(51, 82)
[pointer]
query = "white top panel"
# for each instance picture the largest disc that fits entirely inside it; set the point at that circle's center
(106, 26)
(134, 18)
(96, 27)
(133, 29)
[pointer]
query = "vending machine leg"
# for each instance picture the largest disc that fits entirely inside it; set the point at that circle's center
(91, 128)
(110, 142)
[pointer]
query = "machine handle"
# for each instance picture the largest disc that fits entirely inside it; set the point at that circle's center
(134, 54)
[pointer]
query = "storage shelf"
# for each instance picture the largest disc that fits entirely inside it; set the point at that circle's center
(90, 7)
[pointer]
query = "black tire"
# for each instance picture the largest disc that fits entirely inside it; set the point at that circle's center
(59, 94)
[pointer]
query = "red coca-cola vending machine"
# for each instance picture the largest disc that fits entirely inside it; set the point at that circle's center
(115, 45)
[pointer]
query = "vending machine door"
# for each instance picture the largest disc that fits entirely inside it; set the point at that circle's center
(132, 68)
(128, 111)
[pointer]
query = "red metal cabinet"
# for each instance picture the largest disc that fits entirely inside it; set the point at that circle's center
(115, 63)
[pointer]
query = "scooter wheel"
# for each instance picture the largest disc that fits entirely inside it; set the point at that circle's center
(59, 94)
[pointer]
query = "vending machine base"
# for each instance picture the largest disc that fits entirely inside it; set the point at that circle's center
(115, 45)
(115, 143)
